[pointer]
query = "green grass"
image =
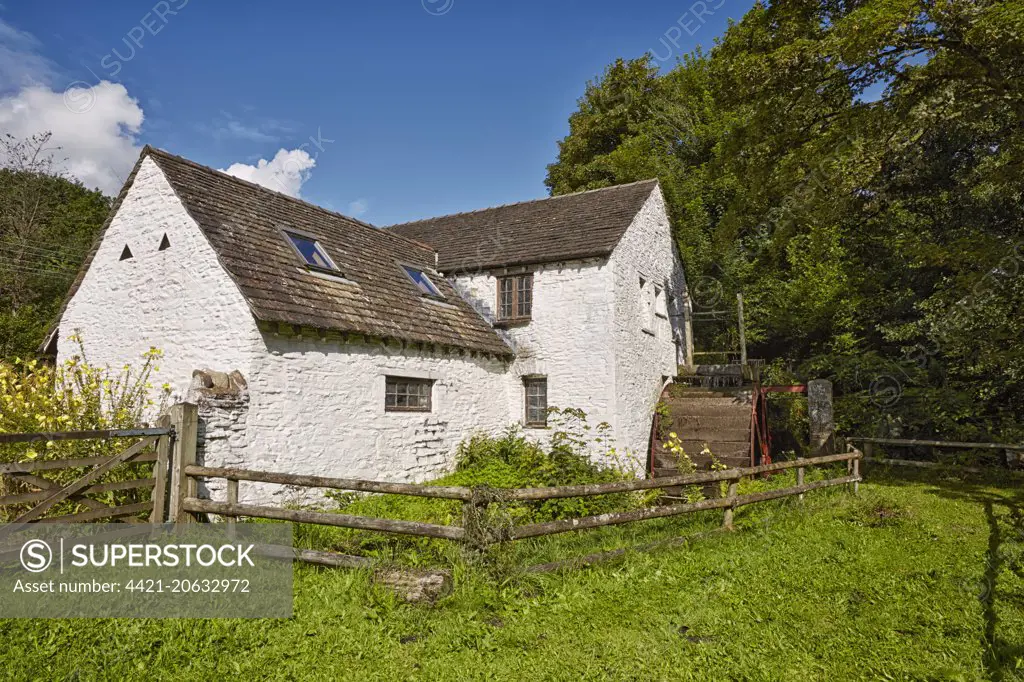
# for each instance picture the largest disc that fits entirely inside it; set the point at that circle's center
(916, 578)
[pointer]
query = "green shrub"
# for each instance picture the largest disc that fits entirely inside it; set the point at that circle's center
(73, 396)
(576, 455)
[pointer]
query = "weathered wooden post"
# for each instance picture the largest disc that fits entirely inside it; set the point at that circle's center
(161, 472)
(856, 473)
(743, 330)
(474, 512)
(185, 419)
(730, 511)
(232, 499)
(819, 407)
(800, 480)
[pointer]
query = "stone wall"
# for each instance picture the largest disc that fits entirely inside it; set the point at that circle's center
(648, 328)
(223, 402)
(568, 338)
(178, 300)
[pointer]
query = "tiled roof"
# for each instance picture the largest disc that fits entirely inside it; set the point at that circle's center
(244, 222)
(567, 227)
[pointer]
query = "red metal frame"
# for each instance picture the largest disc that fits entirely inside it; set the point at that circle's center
(759, 432)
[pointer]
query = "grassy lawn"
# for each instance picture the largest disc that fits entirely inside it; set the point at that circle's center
(919, 577)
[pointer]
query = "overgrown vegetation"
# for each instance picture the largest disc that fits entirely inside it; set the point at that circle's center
(855, 169)
(47, 223)
(74, 396)
(915, 578)
(576, 454)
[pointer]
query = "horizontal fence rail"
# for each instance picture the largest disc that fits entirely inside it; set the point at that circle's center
(427, 530)
(909, 442)
(106, 434)
(353, 484)
(18, 479)
(870, 443)
(475, 499)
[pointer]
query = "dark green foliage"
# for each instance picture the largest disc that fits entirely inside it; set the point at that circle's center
(857, 171)
(47, 224)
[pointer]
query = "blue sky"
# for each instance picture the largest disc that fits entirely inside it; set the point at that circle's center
(429, 106)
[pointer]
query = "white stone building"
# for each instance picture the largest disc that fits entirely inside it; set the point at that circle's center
(371, 353)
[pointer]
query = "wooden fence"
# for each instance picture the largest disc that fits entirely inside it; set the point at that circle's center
(476, 535)
(45, 493)
(870, 443)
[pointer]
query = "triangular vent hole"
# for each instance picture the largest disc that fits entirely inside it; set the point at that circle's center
(126, 254)
(165, 244)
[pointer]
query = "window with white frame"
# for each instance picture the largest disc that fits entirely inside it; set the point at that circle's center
(311, 252)
(422, 282)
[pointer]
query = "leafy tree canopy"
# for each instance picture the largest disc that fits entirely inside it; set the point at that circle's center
(47, 223)
(856, 170)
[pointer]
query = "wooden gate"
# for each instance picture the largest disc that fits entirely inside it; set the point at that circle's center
(56, 500)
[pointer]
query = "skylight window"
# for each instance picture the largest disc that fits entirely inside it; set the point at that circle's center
(422, 282)
(312, 253)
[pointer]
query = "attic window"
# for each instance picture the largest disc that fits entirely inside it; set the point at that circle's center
(422, 282)
(165, 244)
(311, 252)
(126, 254)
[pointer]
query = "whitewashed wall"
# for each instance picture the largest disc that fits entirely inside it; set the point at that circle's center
(568, 338)
(318, 408)
(644, 333)
(180, 300)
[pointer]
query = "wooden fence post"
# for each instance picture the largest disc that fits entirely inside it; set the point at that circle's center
(185, 419)
(856, 472)
(731, 509)
(232, 499)
(161, 471)
(473, 512)
(800, 480)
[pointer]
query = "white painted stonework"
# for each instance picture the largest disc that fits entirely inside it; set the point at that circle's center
(567, 340)
(316, 406)
(647, 326)
(180, 300)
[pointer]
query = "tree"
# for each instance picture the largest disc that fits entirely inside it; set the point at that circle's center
(855, 168)
(47, 223)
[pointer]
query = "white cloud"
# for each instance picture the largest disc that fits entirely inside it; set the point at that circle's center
(20, 61)
(95, 127)
(285, 173)
(358, 207)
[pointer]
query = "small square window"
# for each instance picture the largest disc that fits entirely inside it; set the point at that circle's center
(536, 391)
(312, 253)
(515, 297)
(422, 282)
(404, 394)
